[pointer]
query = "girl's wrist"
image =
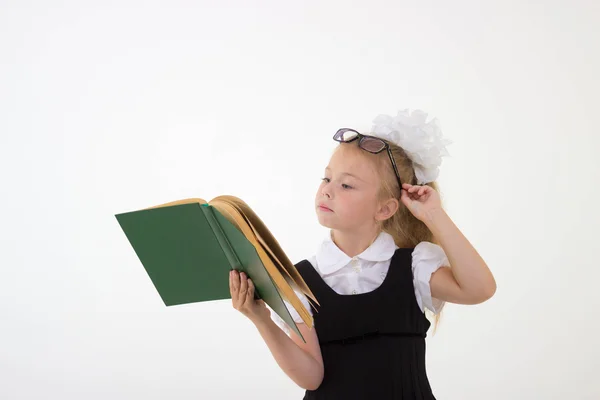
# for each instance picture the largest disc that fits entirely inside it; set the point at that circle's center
(435, 217)
(261, 322)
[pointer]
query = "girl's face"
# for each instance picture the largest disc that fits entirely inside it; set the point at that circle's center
(349, 189)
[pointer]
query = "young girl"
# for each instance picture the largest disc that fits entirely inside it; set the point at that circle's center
(391, 253)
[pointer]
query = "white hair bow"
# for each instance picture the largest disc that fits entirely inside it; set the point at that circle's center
(422, 141)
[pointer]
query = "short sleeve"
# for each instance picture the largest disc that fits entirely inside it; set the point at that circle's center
(295, 316)
(427, 258)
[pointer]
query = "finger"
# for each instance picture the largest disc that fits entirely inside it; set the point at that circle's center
(423, 190)
(413, 189)
(250, 295)
(404, 197)
(234, 285)
(243, 287)
(406, 186)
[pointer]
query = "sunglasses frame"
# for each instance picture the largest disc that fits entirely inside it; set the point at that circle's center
(361, 138)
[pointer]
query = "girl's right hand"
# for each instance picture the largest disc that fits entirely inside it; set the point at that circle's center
(242, 297)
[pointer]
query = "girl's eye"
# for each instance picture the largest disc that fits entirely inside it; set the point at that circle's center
(343, 184)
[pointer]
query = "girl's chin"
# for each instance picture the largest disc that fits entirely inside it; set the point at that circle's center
(326, 221)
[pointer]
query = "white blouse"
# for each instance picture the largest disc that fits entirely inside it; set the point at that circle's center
(366, 271)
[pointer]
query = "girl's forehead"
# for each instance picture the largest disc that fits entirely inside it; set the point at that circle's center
(350, 163)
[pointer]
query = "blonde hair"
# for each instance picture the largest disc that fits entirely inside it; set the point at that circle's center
(404, 227)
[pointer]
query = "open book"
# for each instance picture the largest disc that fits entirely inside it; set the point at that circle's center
(189, 246)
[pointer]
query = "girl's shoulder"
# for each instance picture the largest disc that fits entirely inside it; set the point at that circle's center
(427, 247)
(307, 263)
(423, 249)
(428, 254)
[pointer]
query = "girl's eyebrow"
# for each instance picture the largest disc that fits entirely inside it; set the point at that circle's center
(346, 173)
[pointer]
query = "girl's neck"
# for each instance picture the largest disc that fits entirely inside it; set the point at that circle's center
(354, 243)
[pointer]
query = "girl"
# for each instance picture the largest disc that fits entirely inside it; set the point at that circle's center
(391, 254)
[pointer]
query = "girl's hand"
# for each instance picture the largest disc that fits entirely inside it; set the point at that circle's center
(420, 200)
(242, 297)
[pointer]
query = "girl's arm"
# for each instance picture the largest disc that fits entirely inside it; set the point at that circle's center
(469, 281)
(302, 362)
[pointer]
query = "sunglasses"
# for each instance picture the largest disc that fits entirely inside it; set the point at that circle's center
(371, 144)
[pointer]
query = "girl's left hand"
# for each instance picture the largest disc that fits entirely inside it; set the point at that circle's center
(420, 200)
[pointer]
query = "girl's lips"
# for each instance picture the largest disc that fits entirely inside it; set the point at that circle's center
(323, 208)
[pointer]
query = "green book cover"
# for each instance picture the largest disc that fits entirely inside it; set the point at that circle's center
(189, 249)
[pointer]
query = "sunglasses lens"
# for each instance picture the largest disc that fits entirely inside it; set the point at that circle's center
(344, 135)
(372, 144)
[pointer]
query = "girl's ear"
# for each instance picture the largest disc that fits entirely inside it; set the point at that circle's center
(387, 209)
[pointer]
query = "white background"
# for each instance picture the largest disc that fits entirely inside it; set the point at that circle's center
(107, 107)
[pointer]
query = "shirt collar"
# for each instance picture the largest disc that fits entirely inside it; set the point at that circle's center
(331, 258)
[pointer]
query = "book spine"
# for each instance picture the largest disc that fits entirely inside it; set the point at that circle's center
(234, 261)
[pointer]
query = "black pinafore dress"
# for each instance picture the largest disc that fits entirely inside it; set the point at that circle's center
(373, 344)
